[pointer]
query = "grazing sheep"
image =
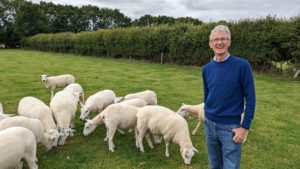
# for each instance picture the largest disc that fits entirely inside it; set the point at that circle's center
(118, 116)
(34, 108)
(64, 106)
(162, 121)
(54, 82)
(34, 125)
(137, 102)
(17, 143)
(97, 102)
(193, 110)
(75, 87)
(147, 95)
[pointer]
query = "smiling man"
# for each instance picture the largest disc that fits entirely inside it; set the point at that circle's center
(228, 92)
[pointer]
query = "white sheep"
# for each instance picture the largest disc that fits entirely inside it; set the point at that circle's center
(193, 110)
(64, 106)
(35, 108)
(34, 125)
(162, 121)
(147, 95)
(116, 116)
(137, 102)
(75, 87)
(54, 82)
(97, 102)
(17, 143)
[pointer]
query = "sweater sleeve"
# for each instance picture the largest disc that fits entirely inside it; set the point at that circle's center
(249, 94)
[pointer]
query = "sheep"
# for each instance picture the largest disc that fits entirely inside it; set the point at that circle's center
(75, 87)
(34, 125)
(17, 143)
(193, 110)
(137, 102)
(147, 95)
(118, 116)
(64, 106)
(54, 82)
(34, 108)
(97, 102)
(163, 121)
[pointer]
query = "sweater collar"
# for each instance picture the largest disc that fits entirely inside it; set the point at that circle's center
(222, 60)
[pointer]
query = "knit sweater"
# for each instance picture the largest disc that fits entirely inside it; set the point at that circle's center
(227, 85)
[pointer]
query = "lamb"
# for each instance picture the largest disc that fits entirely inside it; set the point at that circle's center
(147, 95)
(162, 121)
(54, 82)
(34, 125)
(193, 110)
(64, 106)
(97, 102)
(34, 108)
(17, 143)
(118, 116)
(75, 87)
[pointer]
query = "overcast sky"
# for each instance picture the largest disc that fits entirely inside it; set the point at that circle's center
(204, 10)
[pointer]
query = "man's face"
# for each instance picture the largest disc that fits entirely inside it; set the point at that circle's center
(219, 43)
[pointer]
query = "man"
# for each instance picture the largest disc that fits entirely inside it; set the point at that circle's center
(228, 83)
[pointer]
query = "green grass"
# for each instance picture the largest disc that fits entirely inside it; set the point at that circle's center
(273, 142)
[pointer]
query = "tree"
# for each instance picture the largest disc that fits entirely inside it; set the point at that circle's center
(30, 20)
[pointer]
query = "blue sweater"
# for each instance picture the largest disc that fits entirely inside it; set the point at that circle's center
(227, 85)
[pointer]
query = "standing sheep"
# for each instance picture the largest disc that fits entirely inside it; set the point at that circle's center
(97, 102)
(118, 116)
(162, 121)
(64, 106)
(148, 95)
(54, 82)
(75, 87)
(34, 125)
(34, 108)
(17, 143)
(193, 110)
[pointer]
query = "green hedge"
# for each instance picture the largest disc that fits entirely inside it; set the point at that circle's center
(261, 41)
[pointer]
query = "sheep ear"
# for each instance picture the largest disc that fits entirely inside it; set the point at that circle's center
(195, 149)
(183, 104)
(87, 120)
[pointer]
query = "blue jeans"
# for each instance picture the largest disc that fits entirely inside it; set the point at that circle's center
(223, 153)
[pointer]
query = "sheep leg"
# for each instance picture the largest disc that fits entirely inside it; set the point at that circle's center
(52, 93)
(136, 134)
(196, 128)
(167, 148)
(31, 160)
(107, 132)
(149, 140)
(121, 131)
(111, 134)
(142, 131)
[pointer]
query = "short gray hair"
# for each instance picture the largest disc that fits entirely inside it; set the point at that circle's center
(221, 28)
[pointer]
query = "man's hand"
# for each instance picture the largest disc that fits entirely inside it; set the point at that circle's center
(240, 135)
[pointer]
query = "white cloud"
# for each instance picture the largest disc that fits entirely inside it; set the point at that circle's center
(205, 10)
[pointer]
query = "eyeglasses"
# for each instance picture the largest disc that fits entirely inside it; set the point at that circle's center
(219, 39)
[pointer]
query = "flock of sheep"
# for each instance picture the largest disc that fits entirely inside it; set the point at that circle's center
(52, 125)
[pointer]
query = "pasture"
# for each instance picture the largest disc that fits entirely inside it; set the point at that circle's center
(273, 141)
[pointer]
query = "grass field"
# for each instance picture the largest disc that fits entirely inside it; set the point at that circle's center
(273, 141)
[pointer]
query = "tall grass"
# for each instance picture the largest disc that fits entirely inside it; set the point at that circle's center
(273, 142)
